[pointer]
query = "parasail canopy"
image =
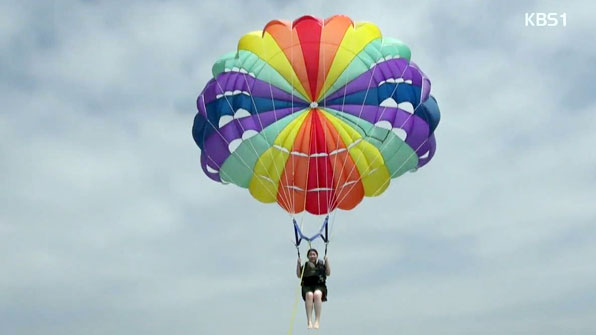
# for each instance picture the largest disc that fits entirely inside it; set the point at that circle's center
(315, 114)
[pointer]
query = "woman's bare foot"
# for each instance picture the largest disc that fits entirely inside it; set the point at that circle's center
(316, 325)
(309, 326)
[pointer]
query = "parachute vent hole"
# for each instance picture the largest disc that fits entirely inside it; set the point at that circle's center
(389, 102)
(210, 169)
(384, 124)
(232, 146)
(425, 155)
(248, 134)
(406, 106)
(225, 119)
(240, 113)
(400, 133)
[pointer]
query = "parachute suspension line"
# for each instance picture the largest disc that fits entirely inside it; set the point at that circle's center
(359, 116)
(284, 196)
(293, 194)
(286, 192)
(337, 192)
(331, 197)
(306, 173)
(314, 134)
(251, 145)
(337, 202)
(325, 124)
(294, 191)
(332, 224)
(228, 143)
(386, 143)
(402, 164)
(414, 152)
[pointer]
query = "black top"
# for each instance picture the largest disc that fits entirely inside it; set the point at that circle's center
(314, 274)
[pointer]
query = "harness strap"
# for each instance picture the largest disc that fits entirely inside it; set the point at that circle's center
(323, 233)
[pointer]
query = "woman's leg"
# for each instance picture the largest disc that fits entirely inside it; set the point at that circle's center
(318, 302)
(308, 302)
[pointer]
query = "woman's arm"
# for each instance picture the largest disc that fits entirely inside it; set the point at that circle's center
(327, 267)
(299, 268)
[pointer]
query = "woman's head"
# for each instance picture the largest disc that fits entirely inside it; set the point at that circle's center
(312, 255)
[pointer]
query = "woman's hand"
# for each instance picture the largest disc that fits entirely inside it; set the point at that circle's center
(299, 268)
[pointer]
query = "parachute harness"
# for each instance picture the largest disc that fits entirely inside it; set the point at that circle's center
(323, 234)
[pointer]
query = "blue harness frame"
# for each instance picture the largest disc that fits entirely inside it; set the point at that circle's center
(323, 234)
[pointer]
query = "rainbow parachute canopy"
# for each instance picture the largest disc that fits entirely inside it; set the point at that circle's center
(315, 115)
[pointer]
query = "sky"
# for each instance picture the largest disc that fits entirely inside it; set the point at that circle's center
(109, 226)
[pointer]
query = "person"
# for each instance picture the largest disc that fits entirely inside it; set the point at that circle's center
(314, 288)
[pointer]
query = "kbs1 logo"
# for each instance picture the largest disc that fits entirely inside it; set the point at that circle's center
(538, 19)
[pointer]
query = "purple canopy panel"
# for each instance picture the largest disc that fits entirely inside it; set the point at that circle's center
(204, 159)
(368, 79)
(405, 72)
(201, 104)
(366, 112)
(217, 143)
(430, 146)
(386, 114)
(209, 91)
(425, 85)
(416, 128)
(393, 68)
(236, 81)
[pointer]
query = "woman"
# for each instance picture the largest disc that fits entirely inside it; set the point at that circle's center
(314, 290)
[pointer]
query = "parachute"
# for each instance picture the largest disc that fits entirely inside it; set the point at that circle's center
(315, 114)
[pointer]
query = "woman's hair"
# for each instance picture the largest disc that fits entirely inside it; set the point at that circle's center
(312, 249)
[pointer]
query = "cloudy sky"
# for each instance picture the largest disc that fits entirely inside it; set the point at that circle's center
(108, 225)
